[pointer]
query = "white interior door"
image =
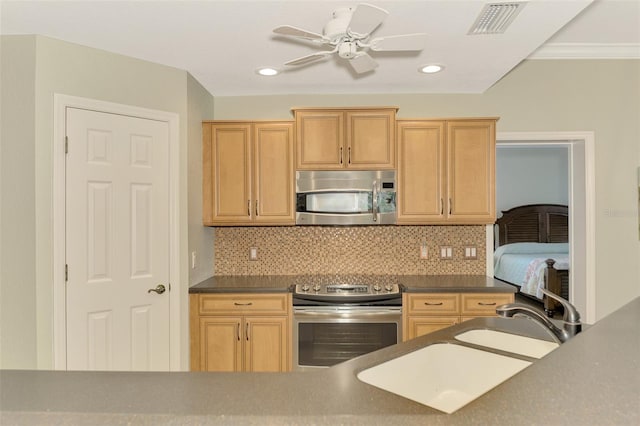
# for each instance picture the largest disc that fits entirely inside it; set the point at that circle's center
(117, 242)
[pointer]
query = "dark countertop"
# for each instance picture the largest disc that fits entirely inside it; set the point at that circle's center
(594, 378)
(411, 283)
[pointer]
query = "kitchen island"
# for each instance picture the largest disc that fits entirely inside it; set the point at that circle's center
(592, 379)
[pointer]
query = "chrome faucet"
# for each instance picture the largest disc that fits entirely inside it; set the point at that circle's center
(571, 318)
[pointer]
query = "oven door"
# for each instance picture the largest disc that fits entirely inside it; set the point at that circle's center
(327, 335)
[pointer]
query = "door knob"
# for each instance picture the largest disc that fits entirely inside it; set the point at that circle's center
(159, 289)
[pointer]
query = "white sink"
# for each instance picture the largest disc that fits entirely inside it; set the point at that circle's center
(443, 376)
(534, 348)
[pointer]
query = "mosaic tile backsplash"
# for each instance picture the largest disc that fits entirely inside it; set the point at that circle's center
(296, 250)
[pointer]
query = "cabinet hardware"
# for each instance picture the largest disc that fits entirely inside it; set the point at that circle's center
(248, 207)
(487, 304)
(238, 331)
(340, 155)
(349, 155)
(256, 207)
(433, 304)
(441, 206)
(243, 304)
(450, 205)
(246, 331)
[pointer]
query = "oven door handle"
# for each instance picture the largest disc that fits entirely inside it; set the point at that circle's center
(314, 312)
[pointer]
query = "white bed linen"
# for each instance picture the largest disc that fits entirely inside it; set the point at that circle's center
(523, 264)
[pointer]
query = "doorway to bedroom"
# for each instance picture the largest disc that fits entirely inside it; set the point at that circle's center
(555, 168)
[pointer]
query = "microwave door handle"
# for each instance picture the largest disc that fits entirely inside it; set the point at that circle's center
(375, 201)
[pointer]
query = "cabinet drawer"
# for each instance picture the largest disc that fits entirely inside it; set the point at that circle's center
(484, 304)
(433, 304)
(421, 325)
(213, 304)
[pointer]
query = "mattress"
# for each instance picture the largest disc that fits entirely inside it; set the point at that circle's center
(523, 264)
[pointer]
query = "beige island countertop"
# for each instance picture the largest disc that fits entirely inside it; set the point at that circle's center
(592, 379)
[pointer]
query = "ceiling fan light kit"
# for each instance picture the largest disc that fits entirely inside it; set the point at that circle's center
(348, 34)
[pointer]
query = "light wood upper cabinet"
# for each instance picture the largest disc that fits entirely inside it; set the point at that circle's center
(248, 176)
(334, 139)
(471, 149)
(446, 171)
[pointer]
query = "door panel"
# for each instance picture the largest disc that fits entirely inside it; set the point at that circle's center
(117, 241)
(274, 173)
(471, 170)
(421, 173)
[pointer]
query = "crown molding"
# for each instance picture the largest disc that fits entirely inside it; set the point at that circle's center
(587, 51)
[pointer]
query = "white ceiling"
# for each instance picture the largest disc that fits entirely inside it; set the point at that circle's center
(222, 43)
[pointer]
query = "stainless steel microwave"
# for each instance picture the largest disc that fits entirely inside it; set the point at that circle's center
(346, 197)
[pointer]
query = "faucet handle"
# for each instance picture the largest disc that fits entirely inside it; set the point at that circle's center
(571, 314)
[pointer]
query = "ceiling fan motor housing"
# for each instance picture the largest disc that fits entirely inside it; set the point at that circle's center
(347, 50)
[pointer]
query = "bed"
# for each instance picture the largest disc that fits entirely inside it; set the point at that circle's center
(532, 251)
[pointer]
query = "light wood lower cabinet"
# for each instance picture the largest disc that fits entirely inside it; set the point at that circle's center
(424, 313)
(240, 332)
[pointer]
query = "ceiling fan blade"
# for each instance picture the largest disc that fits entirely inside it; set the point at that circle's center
(288, 30)
(406, 42)
(362, 63)
(366, 18)
(314, 57)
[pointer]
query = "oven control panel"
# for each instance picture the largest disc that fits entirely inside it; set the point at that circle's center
(346, 290)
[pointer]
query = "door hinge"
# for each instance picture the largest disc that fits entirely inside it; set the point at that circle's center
(66, 144)
(169, 285)
(66, 272)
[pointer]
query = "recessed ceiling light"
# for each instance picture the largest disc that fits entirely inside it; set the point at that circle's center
(431, 68)
(266, 71)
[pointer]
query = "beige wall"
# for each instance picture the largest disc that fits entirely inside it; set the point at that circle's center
(18, 347)
(576, 95)
(200, 238)
(65, 68)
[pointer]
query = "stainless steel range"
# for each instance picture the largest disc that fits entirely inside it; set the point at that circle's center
(337, 318)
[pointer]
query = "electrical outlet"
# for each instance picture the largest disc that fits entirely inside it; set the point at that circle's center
(424, 251)
(446, 252)
(470, 252)
(253, 253)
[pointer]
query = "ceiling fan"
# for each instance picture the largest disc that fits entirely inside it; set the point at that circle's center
(348, 33)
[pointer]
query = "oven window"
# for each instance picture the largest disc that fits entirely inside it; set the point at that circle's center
(327, 344)
(335, 202)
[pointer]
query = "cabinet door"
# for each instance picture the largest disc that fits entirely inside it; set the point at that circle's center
(221, 344)
(266, 343)
(273, 200)
(471, 171)
(421, 172)
(228, 163)
(419, 325)
(370, 139)
(320, 140)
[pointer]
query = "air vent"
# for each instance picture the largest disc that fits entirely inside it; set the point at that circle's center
(494, 18)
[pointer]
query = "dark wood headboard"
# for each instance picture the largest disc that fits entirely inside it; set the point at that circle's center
(538, 223)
